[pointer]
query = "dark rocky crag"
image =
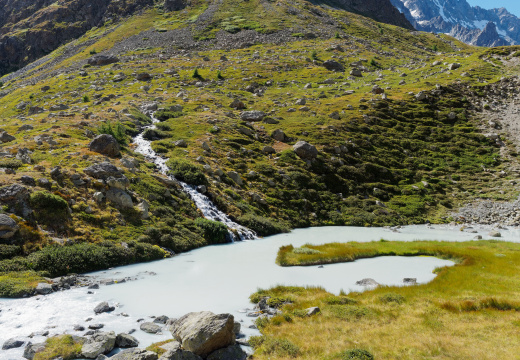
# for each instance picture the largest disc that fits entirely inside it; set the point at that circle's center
(31, 29)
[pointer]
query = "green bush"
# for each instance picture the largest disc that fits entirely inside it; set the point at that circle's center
(355, 354)
(278, 301)
(214, 232)
(186, 171)
(49, 208)
(392, 298)
(263, 226)
(118, 131)
(278, 347)
(86, 99)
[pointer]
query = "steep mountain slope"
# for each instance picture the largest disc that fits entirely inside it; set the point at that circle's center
(473, 25)
(29, 30)
(283, 115)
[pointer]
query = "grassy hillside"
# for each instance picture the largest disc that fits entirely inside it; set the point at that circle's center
(382, 159)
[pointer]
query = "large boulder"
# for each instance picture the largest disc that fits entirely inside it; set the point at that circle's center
(204, 332)
(333, 65)
(100, 343)
(100, 60)
(102, 170)
(253, 115)
(119, 198)
(233, 352)
(135, 354)
(126, 341)
(305, 150)
(105, 144)
(8, 227)
(179, 354)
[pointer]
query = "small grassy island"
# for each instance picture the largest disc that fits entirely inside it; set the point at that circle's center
(469, 311)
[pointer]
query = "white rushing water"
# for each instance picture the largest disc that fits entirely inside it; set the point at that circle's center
(220, 279)
(208, 209)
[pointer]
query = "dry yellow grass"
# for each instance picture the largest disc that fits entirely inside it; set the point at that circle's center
(470, 311)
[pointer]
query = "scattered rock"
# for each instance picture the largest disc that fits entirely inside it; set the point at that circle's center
(367, 282)
(313, 311)
(100, 343)
(43, 288)
(106, 145)
(32, 349)
(305, 150)
(235, 177)
(233, 352)
(494, 233)
(103, 307)
(8, 227)
(12, 344)
(119, 198)
(100, 60)
(135, 354)
(179, 354)
(253, 115)
(5, 137)
(150, 327)
(333, 65)
(126, 341)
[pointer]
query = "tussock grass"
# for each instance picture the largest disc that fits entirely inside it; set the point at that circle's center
(469, 311)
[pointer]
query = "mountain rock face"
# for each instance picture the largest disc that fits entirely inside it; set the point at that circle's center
(379, 10)
(473, 25)
(30, 29)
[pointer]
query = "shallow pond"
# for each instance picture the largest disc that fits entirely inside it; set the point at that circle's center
(219, 279)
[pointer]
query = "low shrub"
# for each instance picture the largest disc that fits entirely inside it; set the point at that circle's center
(276, 347)
(186, 171)
(355, 354)
(263, 226)
(340, 300)
(392, 298)
(214, 232)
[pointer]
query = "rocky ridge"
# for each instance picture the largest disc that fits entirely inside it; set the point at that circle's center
(471, 24)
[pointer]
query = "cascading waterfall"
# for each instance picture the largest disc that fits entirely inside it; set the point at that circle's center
(208, 209)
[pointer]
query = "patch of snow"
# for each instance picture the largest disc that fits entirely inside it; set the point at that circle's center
(480, 24)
